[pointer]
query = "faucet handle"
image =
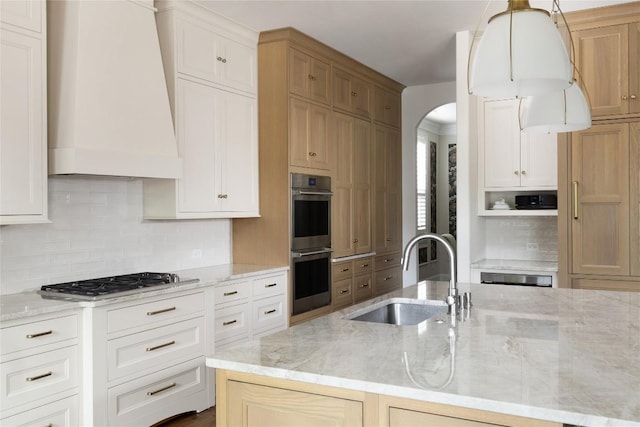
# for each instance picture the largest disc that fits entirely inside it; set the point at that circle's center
(466, 300)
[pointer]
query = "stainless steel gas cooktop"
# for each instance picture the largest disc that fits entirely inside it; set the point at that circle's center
(112, 287)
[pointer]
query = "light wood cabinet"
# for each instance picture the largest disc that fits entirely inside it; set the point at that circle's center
(246, 400)
(352, 282)
(309, 134)
(351, 93)
(212, 88)
(387, 107)
(387, 190)
(309, 76)
(608, 59)
(351, 186)
(600, 194)
(23, 122)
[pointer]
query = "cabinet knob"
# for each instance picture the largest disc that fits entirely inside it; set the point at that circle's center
(354, 93)
(523, 172)
(221, 59)
(355, 240)
(624, 97)
(516, 173)
(312, 154)
(633, 97)
(222, 196)
(312, 77)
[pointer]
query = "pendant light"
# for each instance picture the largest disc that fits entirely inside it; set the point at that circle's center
(563, 111)
(521, 53)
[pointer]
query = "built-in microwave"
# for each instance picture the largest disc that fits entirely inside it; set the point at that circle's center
(310, 211)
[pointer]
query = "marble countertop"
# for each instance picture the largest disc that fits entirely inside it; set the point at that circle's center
(517, 265)
(30, 303)
(564, 355)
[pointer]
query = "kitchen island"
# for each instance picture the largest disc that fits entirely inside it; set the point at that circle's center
(519, 356)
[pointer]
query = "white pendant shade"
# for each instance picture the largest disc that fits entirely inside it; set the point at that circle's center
(537, 57)
(562, 111)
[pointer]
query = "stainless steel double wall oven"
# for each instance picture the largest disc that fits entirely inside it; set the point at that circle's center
(310, 241)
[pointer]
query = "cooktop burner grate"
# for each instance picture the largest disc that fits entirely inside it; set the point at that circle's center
(92, 289)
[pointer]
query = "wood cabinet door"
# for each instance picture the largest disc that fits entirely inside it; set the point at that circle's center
(600, 191)
(361, 97)
(601, 57)
(634, 196)
(399, 417)
(309, 134)
(361, 166)
(387, 107)
(23, 137)
(251, 405)
(308, 76)
(500, 144)
(634, 68)
(388, 190)
(342, 233)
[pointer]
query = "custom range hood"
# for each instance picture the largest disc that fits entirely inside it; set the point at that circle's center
(109, 110)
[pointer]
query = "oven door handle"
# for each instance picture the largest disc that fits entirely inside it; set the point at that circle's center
(309, 253)
(313, 193)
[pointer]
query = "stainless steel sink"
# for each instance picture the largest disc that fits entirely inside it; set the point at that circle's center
(400, 311)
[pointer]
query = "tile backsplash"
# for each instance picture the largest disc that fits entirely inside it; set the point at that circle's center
(522, 238)
(97, 230)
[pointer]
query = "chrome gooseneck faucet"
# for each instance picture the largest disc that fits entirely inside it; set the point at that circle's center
(452, 299)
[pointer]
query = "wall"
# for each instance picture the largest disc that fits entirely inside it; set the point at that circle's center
(417, 101)
(97, 230)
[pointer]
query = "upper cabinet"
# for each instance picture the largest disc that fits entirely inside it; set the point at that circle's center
(351, 93)
(204, 53)
(387, 107)
(309, 134)
(23, 122)
(513, 158)
(609, 62)
(309, 76)
(211, 70)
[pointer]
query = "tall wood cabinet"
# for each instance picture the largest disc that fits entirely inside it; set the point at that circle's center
(23, 104)
(317, 112)
(599, 201)
(210, 66)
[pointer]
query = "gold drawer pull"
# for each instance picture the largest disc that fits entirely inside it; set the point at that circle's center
(364, 265)
(388, 278)
(575, 200)
(230, 322)
(164, 310)
(388, 259)
(157, 347)
(270, 311)
(345, 270)
(364, 285)
(228, 294)
(39, 334)
(151, 393)
(343, 291)
(270, 285)
(39, 377)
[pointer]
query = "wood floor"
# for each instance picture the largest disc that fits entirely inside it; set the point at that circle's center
(205, 418)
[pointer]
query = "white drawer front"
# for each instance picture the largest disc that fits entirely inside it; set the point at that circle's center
(32, 335)
(61, 413)
(34, 377)
(232, 322)
(268, 286)
(269, 313)
(153, 398)
(152, 312)
(231, 292)
(156, 348)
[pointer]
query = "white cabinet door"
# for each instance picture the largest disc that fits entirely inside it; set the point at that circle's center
(22, 133)
(217, 139)
(205, 54)
(501, 144)
(514, 159)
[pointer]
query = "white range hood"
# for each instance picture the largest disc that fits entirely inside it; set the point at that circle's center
(109, 110)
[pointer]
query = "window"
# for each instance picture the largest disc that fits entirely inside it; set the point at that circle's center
(421, 183)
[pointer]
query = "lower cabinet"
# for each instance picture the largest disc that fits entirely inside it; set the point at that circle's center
(352, 282)
(144, 360)
(388, 274)
(246, 399)
(39, 371)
